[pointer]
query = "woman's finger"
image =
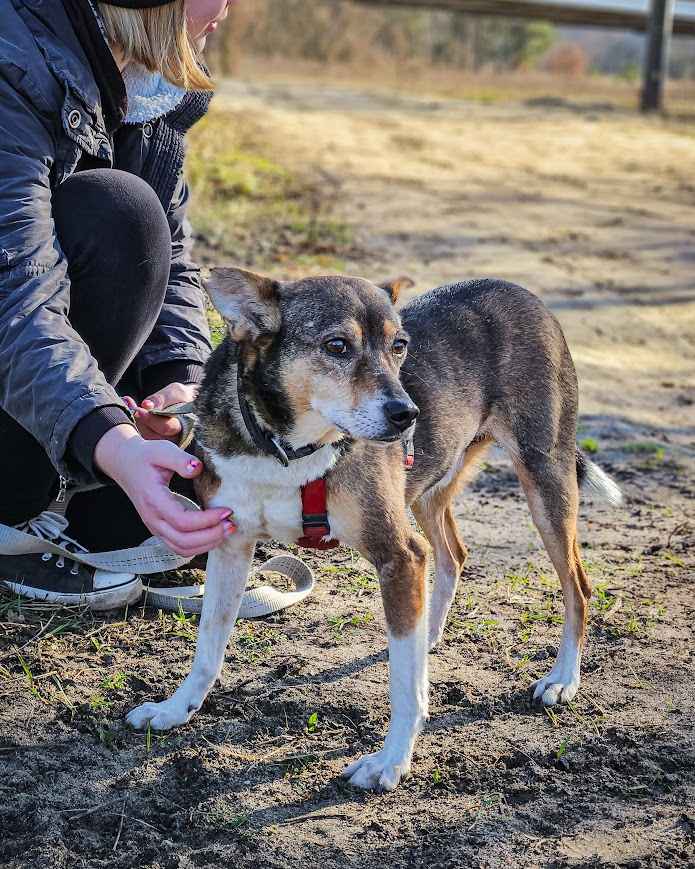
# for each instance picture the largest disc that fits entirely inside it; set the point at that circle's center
(164, 454)
(187, 521)
(160, 426)
(174, 393)
(162, 503)
(195, 542)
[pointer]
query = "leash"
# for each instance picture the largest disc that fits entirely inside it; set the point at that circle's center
(153, 556)
(256, 602)
(185, 413)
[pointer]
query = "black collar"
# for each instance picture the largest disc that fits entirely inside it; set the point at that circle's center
(267, 441)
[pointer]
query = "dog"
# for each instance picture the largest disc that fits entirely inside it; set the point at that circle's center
(322, 379)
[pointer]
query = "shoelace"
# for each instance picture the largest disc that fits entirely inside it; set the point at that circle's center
(50, 526)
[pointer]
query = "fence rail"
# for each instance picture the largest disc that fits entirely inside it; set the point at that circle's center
(568, 14)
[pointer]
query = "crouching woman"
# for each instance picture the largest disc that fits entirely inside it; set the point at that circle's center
(102, 314)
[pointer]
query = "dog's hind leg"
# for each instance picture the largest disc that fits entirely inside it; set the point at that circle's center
(435, 516)
(553, 496)
(402, 567)
(227, 571)
(436, 520)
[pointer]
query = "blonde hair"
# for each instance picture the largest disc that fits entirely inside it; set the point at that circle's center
(158, 38)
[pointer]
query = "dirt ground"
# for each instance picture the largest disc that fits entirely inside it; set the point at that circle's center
(594, 211)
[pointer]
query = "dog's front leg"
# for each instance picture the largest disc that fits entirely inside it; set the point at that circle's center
(405, 605)
(227, 571)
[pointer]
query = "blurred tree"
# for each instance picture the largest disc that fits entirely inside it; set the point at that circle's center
(539, 36)
(330, 31)
(508, 43)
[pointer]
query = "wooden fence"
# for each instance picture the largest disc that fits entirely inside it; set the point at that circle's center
(659, 22)
(570, 14)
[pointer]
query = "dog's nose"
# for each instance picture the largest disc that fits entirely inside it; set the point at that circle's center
(401, 414)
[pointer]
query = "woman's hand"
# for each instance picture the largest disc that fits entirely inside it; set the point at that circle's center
(157, 428)
(143, 469)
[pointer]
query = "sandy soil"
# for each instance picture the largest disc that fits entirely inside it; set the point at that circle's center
(593, 211)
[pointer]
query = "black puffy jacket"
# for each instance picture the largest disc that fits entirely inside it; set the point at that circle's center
(50, 118)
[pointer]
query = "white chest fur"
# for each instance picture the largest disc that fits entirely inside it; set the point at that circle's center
(264, 496)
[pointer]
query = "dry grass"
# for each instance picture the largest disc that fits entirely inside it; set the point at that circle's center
(484, 87)
(250, 203)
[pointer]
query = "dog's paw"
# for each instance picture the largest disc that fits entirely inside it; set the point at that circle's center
(554, 688)
(379, 770)
(160, 716)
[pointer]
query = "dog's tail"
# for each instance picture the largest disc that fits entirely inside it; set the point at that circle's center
(590, 476)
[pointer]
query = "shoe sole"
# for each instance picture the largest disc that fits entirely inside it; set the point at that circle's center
(104, 599)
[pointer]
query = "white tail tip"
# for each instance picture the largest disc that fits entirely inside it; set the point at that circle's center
(599, 482)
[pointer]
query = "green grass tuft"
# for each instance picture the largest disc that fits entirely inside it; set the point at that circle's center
(249, 205)
(590, 445)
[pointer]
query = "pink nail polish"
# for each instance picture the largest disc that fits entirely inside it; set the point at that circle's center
(229, 527)
(225, 514)
(193, 465)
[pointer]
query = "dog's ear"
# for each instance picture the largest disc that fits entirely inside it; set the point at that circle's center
(249, 303)
(394, 286)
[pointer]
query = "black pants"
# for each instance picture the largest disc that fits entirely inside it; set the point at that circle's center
(116, 240)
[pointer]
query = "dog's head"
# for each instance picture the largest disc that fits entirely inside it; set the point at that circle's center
(330, 347)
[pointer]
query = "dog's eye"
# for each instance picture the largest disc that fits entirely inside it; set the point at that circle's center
(399, 346)
(336, 346)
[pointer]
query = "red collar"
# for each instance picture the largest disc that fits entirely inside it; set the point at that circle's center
(315, 517)
(315, 509)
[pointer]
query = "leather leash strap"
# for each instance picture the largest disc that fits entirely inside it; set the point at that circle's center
(185, 412)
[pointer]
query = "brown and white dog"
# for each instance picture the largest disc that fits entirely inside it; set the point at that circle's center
(326, 372)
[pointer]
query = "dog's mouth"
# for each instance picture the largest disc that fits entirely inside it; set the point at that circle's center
(393, 437)
(382, 435)
(378, 439)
